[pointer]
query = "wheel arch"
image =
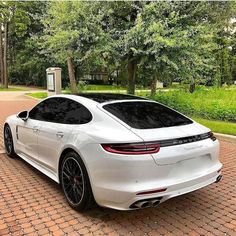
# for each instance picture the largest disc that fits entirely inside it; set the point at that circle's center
(63, 153)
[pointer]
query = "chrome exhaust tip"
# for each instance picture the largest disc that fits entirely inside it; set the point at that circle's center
(156, 203)
(146, 204)
(152, 202)
(219, 178)
(141, 204)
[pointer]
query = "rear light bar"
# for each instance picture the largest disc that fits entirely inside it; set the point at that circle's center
(132, 148)
(152, 191)
(153, 147)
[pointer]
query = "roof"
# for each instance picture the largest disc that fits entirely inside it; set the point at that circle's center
(107, 97)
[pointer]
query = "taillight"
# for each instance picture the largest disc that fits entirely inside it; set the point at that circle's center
(152, 191)
(212, 136)
(132, 148)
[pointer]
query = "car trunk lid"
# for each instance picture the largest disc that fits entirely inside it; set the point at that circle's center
(186, 141)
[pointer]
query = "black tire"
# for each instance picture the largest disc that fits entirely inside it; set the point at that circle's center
(8, 142)
(75, 182)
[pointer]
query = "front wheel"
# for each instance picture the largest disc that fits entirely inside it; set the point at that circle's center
(75, 182)
(8, 142)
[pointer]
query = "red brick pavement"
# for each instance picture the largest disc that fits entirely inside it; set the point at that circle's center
(8, 108)
(32, 204)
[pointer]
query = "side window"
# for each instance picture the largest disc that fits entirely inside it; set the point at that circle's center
(46, 111)
(74, 112)
(61, 110)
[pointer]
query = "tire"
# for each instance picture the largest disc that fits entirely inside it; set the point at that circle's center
(75, 182)
(8, 142)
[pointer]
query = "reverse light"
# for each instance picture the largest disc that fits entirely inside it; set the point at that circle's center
(132, 148)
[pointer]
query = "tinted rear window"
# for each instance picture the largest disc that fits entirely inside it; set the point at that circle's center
(146, 115)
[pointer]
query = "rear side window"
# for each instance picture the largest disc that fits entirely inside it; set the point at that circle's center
(73, 112)
(146, 115)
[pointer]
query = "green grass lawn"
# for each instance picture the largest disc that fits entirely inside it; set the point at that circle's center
(10, 89)
(218, 126)
(39, 95)
(207, 103)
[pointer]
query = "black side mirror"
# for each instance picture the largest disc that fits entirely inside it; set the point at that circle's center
(23, 115)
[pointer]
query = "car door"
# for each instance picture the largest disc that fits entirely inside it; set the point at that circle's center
(27, 131)
(27, 138)
(54, 134)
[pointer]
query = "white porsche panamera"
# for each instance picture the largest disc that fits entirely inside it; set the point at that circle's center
(120, 151)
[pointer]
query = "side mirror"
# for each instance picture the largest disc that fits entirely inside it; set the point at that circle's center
(23, 115)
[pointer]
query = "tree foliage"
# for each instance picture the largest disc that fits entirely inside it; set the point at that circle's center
(141, 41)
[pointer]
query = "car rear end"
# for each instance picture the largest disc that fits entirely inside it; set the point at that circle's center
(174, 156)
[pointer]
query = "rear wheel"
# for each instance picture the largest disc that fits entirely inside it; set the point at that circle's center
(8, 142)
(75, 182)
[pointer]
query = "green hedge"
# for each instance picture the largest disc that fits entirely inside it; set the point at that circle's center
(212, 103)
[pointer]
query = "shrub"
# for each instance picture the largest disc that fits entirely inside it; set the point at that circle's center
(211, 103)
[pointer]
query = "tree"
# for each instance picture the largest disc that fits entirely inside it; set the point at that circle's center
(181, 39)
(222, 18)
(14, 21)
(71, 31)
(118, 21)
(1, 56)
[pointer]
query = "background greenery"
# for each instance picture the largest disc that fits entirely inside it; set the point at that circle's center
(210, 103)
(135, 43)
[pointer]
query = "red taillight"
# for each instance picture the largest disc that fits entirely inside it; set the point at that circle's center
(152, 191)
(132, 148)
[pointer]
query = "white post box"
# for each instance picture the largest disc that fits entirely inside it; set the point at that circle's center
(53, 80)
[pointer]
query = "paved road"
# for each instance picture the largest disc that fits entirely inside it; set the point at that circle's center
(32, 204)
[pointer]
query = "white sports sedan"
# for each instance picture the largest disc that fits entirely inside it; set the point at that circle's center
(120, 151)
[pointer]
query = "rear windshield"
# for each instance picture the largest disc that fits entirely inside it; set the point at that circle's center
(146, 115)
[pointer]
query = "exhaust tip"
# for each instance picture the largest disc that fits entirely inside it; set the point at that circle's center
(146, 204)
(156, 203)
(219, 178)
(151, 202)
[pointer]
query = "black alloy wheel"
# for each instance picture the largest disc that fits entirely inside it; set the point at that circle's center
(8, 142)
(75, 182)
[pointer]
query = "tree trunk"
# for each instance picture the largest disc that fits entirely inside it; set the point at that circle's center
(153, 85)
(192, 86)
(71, 72)
(1, 58)
(5, 55)
(132, 67)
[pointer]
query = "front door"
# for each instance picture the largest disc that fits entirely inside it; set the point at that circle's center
(27, 138)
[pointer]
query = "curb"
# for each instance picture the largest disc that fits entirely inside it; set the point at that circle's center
(226, 136)
(2, 151)
(38, 99)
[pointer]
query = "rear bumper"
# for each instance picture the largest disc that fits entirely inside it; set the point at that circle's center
(117, 179)
(112, 197)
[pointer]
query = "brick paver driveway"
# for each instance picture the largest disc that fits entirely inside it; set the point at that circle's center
(32, 204)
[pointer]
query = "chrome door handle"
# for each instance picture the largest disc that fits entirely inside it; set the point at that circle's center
(60, 134)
